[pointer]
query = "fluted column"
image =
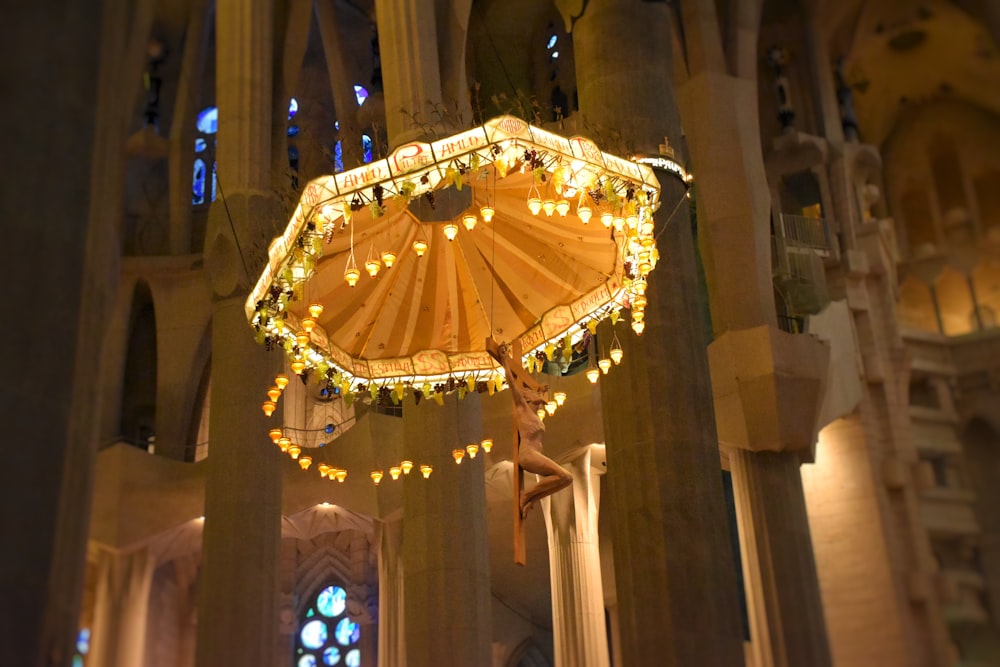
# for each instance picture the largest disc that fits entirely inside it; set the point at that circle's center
(411, 76)
(121, 608)
(238, 607)
(446, 576)
(391, 620)
(578, 626)
(674, 572)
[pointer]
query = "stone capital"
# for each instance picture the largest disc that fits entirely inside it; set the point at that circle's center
(768, 388)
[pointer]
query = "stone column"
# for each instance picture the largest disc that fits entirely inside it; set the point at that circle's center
(407, 37)
(774, 535)
(391, 621)
(578, 627)
(121, 608)
(446, 575)
(767, 383)
(675, 576)
(238, 606)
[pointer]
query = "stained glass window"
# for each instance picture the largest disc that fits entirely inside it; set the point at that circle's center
(366, 145)
(203, 187)
(361, 93)
(327, 637)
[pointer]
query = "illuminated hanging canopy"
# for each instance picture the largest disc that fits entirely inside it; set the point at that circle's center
(542, 278)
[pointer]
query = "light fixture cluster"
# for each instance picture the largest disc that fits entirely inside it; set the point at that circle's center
(403, 469)
(472, 449)
(274, 393)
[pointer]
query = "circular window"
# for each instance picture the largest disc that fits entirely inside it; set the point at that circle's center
(327, 635)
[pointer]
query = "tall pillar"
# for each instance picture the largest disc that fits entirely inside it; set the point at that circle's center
(774, 533)
(407, 37)
(578, 628)
(121, 608)
(238, 605)
(446, 575)
(391, 621)
(674, 572)
(767, 383)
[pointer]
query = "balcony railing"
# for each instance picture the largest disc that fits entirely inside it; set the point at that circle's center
(800, 232)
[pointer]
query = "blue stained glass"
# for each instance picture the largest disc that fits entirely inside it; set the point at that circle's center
(555, 54)
(552, 42)
(83, 641)
(200, 145)
(329, 427)
(307, 660)
(77, 660)
(198, 192)
(366, 144)
(313, 634)
(348, 632)
(336, 124)
(353, 658)
(332, 601)
(338, 157)
(293, 130)
(293, 108)
(214, 181)
(208, 120)
(331, 656)
(361, 93)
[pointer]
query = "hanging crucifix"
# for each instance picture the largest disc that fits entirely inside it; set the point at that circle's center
(529, 431)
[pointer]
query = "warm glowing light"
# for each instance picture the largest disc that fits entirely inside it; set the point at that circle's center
(593, 374)
(541, 413)
(297, 366)
(274, 393)
(268, 408)
(372, 266)
(632, 221)
(534, 205)
(450, 231)
(584, 213)
(548, 206)
(638, 328)
(607, 219)
(284, 442)
(469, 221)
(560, 397)
(294, 451)
(644, 268)
(647, 228)
(275, 433)
(562, 207)
(340, 475)
(302, 338)
(639, 301)
(487, 444)
(550, 407)
(281, 381)
(426, 470)
(323, 468)
(308, 324)
(352, 275)
(394, 472)
(616, 355)
(473, 449)
(458, 455)
(487, 213)
(407, 466)
(604, 365)
(305, 462)
(420, 247)
(639, 286)
(316, 309)
(388, 258)
(618, 223)
(377, 476)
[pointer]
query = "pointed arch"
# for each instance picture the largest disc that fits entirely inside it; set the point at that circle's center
(137, 422)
